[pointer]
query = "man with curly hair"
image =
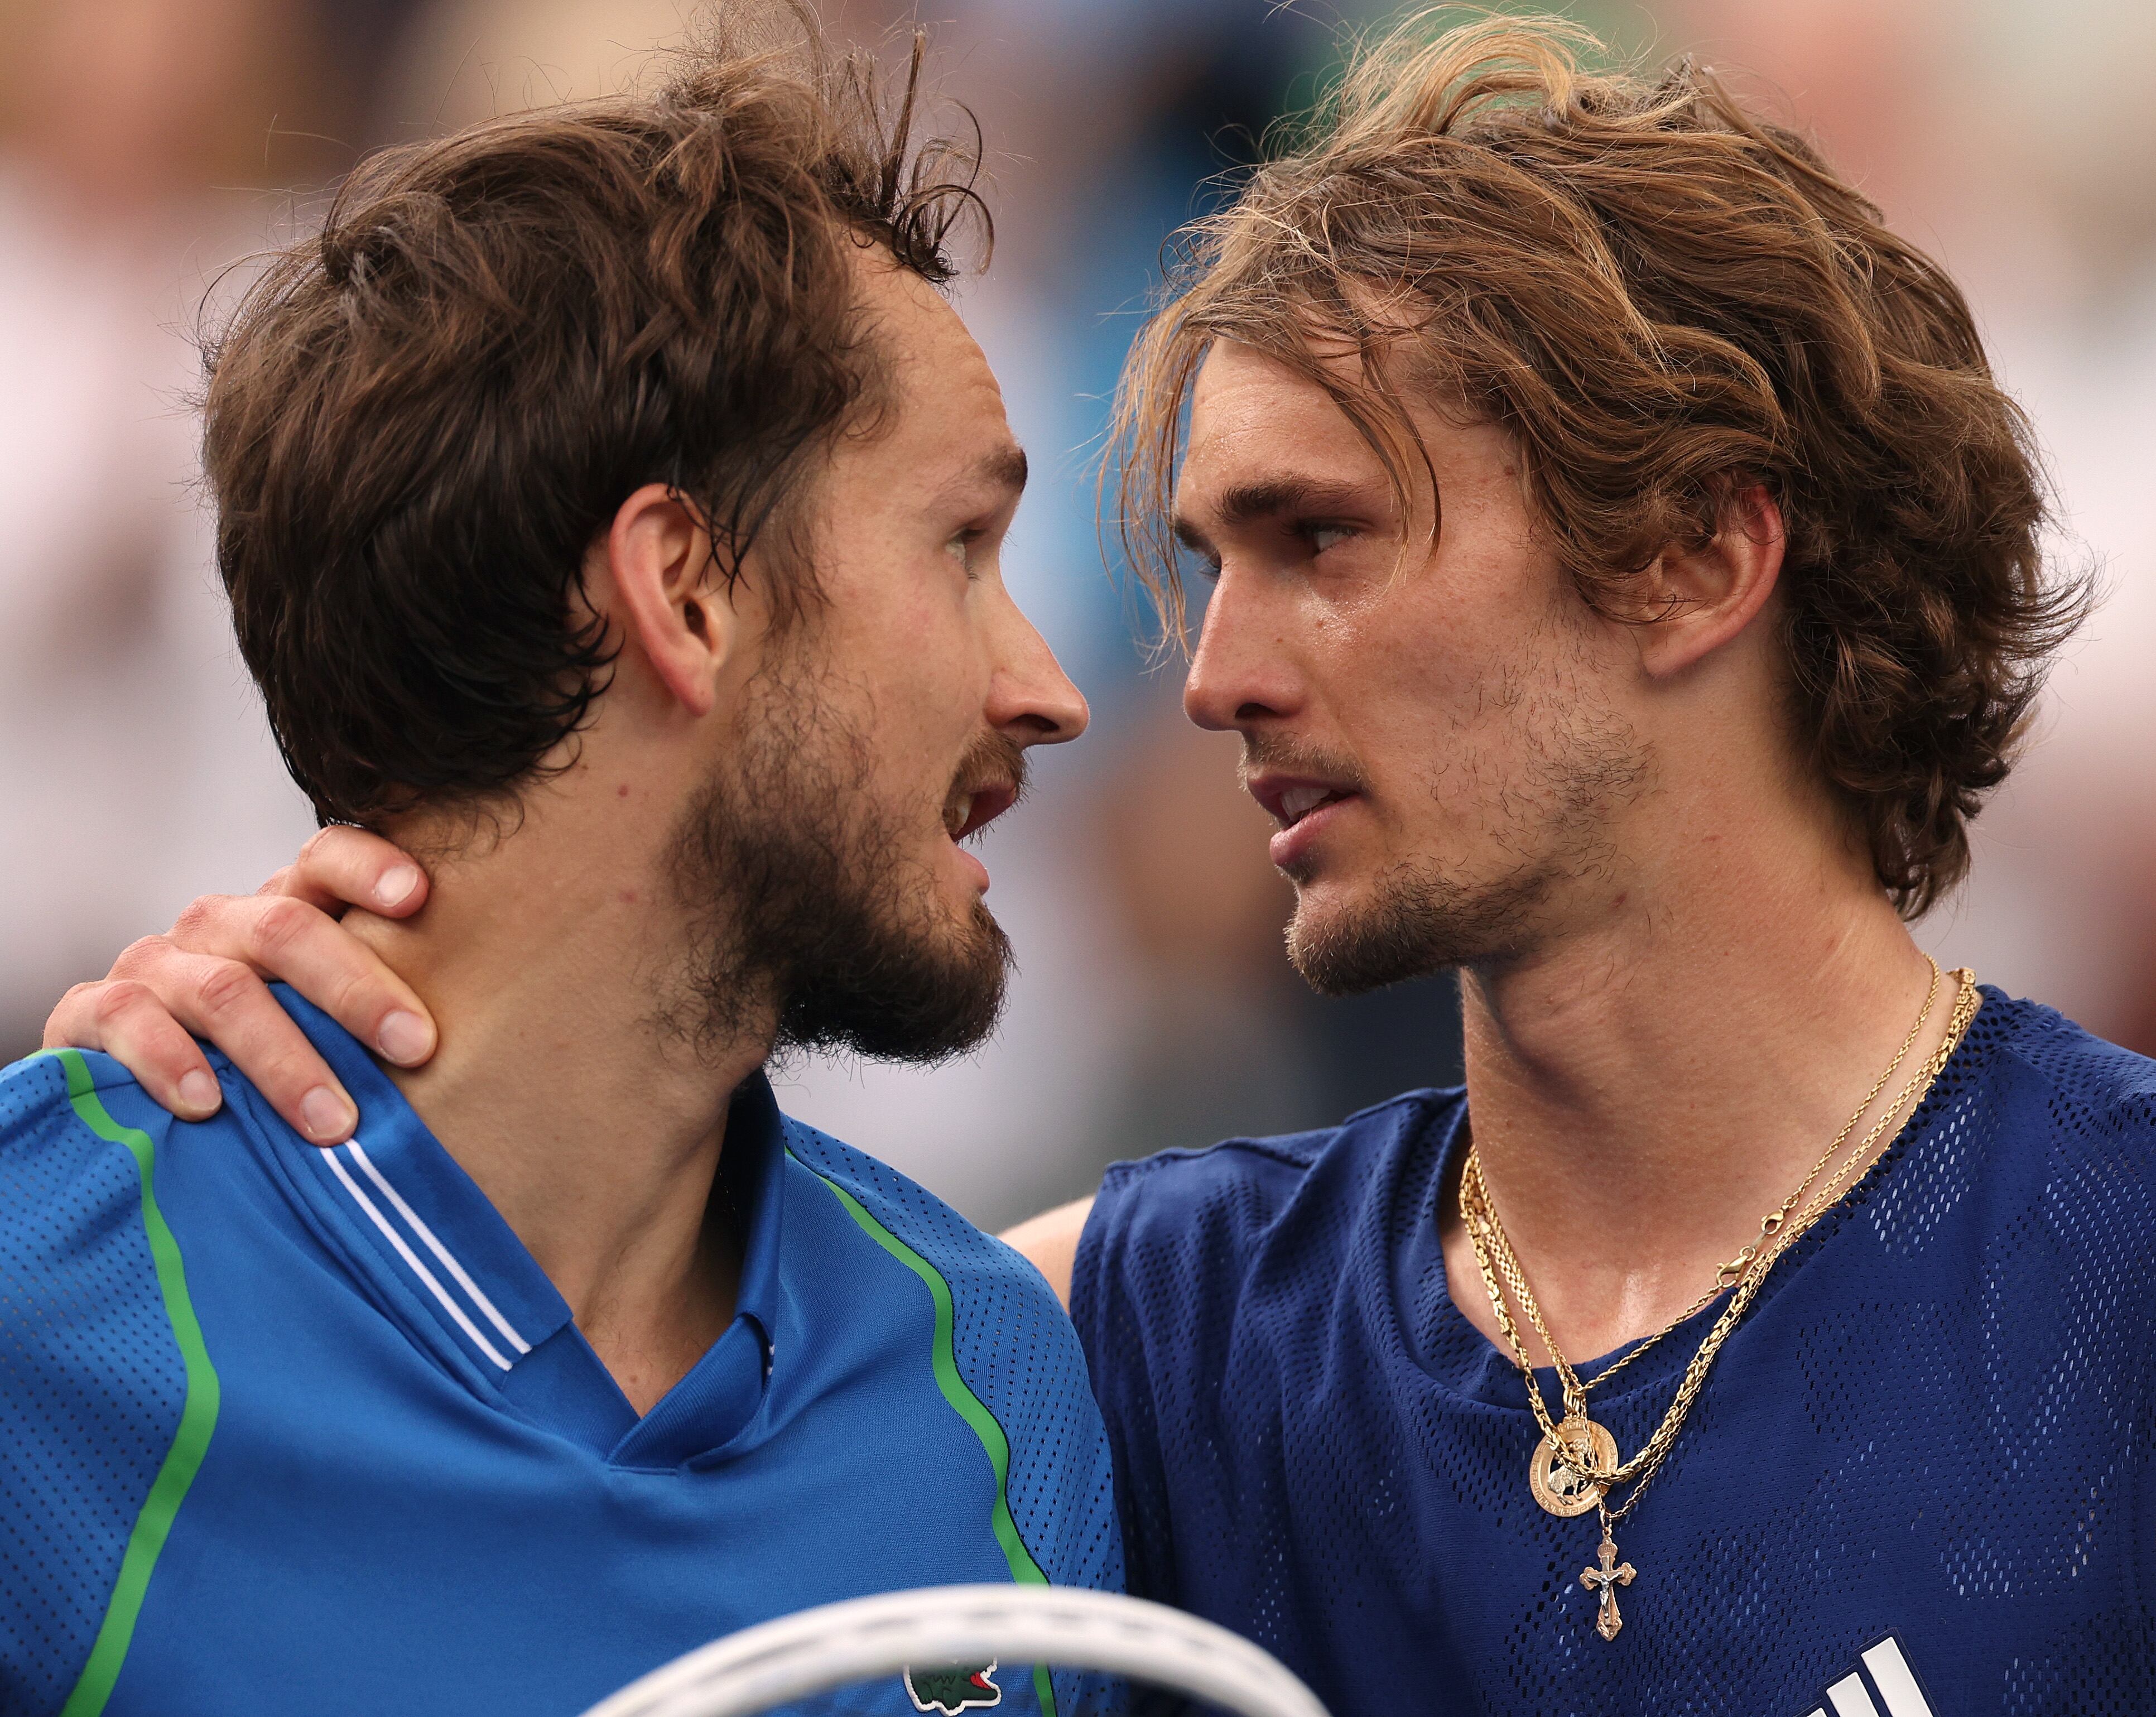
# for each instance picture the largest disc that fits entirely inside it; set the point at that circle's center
(1626, 585)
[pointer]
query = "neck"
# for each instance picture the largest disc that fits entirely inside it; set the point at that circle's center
(592, 1123)
(1644, 1091)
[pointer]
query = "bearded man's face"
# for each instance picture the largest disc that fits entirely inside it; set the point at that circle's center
(811, 891)
(875, 732)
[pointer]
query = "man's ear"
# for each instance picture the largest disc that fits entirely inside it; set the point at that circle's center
(669, 595)
(1696, 601)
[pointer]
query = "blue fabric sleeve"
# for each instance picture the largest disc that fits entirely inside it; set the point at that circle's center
(92, 1381)
(1154, 1290)
(1015, 1349)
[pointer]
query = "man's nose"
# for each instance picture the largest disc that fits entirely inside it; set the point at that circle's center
(1242, 671)
(1031, 698)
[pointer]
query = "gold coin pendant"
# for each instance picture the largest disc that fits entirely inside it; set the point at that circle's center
(1557, 1486)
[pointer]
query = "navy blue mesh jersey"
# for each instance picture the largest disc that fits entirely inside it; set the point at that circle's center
(285, 1429)
(1917, 1484)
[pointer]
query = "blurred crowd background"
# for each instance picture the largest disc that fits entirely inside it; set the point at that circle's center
(147, 145)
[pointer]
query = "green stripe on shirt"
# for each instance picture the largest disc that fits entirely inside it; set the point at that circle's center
(153, 1525)
(963, 1401)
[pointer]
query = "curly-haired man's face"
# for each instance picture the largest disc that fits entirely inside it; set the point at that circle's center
(1445, 736)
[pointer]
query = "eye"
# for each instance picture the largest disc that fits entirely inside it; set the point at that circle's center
(960, 547)
(1321, 537)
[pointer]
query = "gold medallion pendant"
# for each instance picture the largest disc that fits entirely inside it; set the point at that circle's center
(1575, 1466)
(1561, 1489)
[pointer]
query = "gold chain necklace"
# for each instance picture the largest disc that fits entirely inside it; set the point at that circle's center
(1730, 1273)
(1575, 1466)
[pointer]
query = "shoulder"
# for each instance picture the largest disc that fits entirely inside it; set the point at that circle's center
(2064, 1126)
(1215, 1207)
(79, 1223)
(76, 1133)
(2054, 1086)
(1016, 1370)
(910, 1222)
(102, 1366)
(2079, 1068)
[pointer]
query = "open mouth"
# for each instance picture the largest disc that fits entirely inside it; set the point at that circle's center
(1289, 800)
(971, 808)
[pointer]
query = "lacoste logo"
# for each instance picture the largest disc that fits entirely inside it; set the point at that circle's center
(951, 1691)
(1882, 1685)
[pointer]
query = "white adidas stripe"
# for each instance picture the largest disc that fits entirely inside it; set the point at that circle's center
(412, 1258)
(1849, 1700)
(1895, 1682)
(435, 1247)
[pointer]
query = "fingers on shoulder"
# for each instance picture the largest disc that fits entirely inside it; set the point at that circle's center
(128, 1021)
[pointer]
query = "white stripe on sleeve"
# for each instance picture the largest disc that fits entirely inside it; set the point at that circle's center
(435, 1247)
(418, 1269)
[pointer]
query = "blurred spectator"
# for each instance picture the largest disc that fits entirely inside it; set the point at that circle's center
(135, 771)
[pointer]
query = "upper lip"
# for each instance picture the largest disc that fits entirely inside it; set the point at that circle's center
(975, 806)
(1292, 797)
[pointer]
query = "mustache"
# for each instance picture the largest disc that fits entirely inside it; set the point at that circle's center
(1282, 754)
(993, 760)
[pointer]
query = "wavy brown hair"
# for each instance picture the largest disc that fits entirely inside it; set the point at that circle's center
(419, 419)
(1662, 298)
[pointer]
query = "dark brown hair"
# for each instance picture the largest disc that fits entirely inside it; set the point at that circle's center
(417, 421)
(1660, 297)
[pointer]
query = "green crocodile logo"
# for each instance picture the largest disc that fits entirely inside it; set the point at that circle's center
(951, 1691)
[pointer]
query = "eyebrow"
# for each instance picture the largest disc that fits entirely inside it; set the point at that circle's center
(1247, 503)
(1006, 469)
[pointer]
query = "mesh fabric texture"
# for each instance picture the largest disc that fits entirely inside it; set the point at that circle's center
(1015, 1349)
(91, 1381)
(1932, 1423)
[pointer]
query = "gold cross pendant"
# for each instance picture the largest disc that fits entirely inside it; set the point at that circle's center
(1605, 1579)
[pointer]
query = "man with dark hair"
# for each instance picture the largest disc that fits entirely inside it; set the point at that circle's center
(1627, 586)
(610, 508)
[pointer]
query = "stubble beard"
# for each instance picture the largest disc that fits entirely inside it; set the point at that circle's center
(1416, 922)
(816, 922)
(1546, 827)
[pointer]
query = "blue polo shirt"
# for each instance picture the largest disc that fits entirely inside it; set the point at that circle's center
(284, 1429)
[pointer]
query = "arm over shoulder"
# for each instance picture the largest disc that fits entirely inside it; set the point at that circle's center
(1049, 1243)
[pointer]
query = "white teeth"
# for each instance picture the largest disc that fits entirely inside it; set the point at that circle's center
(1298, 802)
(956, 814)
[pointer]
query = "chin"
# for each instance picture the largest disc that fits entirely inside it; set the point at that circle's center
(906, 991)
(1405, 925)
(1340, 950)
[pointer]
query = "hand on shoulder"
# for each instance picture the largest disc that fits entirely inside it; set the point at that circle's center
(208, 978)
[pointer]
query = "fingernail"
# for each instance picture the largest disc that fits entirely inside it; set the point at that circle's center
(327, 1116)
(405, 1038)
(199, 1092)
(396, 886)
